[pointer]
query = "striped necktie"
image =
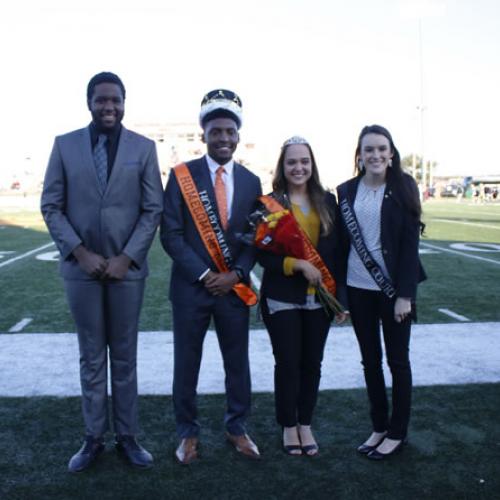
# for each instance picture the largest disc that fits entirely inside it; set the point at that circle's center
(221, 197)
(101, 160)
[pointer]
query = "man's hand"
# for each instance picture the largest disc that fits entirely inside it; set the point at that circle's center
(220, 284)
(92, 263)
(117, 267)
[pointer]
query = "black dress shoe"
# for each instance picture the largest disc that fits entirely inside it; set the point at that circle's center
(133, 452)
(91, 449)
(377, 455)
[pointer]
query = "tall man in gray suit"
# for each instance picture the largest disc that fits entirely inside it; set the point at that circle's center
(225, 192)
(102, 203)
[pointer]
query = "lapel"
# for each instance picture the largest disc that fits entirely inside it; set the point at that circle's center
(351, 190)
(201, 176)
(87, 158)
(122, 153)
(238, 186)
(389, 203)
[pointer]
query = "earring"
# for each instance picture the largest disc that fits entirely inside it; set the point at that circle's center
(390, 162)
(361, 165)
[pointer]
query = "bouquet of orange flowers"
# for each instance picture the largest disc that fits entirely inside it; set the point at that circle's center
(278, 232)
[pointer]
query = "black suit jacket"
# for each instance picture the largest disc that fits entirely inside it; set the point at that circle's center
(293, 289)
(400, 233)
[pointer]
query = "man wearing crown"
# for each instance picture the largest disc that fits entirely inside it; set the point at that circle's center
(207, 202)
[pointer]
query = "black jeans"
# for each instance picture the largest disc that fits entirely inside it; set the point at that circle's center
(368, 308)
(298, 338)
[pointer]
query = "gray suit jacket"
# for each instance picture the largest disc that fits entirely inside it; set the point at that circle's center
(122, 219)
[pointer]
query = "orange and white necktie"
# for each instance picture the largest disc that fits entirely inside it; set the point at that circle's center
(221, 196)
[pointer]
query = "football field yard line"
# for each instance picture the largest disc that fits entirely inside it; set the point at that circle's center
(255, 280)
(465, 223)
(497, 262)
(449, 353)
(20, 325)
(454, 315)
(27, 254)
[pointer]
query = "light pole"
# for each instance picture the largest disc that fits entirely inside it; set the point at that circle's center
(421, 107)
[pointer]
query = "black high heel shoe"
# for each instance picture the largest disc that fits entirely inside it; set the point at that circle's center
(364, 449)
(377, 455)
(310, 450)
(294, 450)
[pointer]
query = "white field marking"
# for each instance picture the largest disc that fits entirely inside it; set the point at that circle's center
(255, 280)
(19, 326)
(466, 223)
(3, 253)
(453, 315)
(497, 262)
(27, 254)
(51, 256)
(422, 251)
(477, 247)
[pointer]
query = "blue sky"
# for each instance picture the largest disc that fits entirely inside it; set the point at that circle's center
(321, 69)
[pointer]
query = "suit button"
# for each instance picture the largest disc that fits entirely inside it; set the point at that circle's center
(384, 251)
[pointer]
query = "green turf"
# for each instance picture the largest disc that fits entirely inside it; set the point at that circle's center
(32, 288)
(464, 221)
(452, 454)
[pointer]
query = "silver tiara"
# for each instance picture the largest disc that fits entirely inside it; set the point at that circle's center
(296, 139)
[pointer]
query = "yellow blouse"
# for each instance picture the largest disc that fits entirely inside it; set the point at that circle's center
(310, 223)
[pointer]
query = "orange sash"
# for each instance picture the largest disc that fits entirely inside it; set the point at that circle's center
(311, 253)
(207, 233)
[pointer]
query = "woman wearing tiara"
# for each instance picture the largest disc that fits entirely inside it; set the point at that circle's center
(297, 322)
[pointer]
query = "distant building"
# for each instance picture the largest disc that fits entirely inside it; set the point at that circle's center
(178, 142)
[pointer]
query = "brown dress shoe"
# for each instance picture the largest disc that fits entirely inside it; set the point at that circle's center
(244, 445)
(187, 451)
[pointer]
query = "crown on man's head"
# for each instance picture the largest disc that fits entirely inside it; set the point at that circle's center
(221, 103)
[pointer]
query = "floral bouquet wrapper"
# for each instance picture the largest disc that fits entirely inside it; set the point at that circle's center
(279, 233)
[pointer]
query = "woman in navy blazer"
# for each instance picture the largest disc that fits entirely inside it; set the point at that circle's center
(386, 205)
(297, 323)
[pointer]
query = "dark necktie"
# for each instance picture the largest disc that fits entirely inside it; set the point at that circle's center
(101, 160)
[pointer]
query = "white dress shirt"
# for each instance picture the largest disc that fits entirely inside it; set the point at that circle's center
(228, 178)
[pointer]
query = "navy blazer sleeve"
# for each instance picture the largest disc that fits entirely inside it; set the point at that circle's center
(408, 266)
(172, 233)
(246, 256)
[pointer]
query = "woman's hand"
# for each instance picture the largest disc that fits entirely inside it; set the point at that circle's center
(402, 309)
(341, 317)
(311, 273)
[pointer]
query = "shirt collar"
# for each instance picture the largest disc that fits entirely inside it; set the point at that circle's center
(213, 165)
(112, 134)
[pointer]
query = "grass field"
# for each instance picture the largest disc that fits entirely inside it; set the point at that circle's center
(454, 450)
(460, 282)
(452, 454)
